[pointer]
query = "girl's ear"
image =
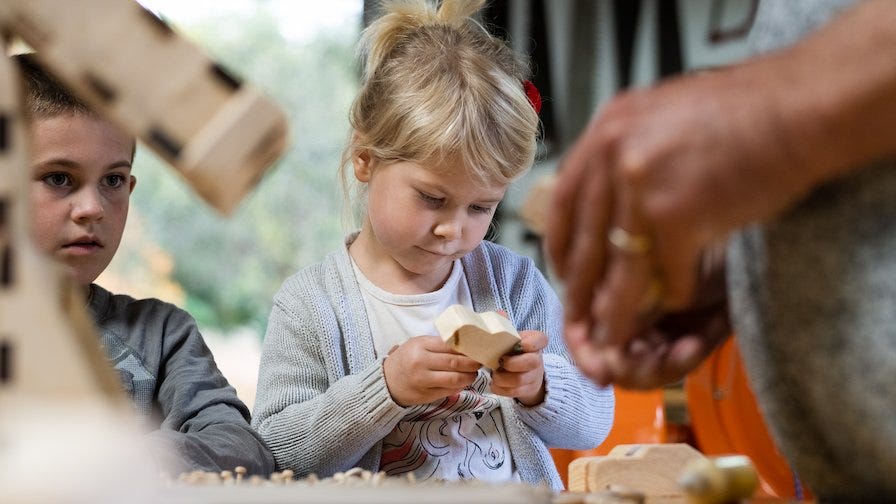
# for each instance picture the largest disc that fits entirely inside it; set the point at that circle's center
(362, 164)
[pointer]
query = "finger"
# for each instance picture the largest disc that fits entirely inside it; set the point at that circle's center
(513, 382)
(649, 363)
(666, 363)
(533, 341)
(454, 380)
(521, 363)
(436, 346)
(587, 357)
(588, 250)
(670, 350)
(453, 362)
(561, 218)
(628, 299)
(686, 264)
(635, 367)
(684, 355)
(514, 391)
(687, 352)
(630, 284)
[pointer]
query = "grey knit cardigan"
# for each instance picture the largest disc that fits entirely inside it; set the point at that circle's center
(322, 404)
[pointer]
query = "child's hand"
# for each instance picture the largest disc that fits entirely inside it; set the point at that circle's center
(522, 375)
(424, 369)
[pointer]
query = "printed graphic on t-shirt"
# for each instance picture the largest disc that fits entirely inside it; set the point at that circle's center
(136, 380)
(459, 437)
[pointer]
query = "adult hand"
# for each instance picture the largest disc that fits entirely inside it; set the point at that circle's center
(423, 369)
(663, 352)
(521, 375)
(644, 201)
(664, 173)
(676, 167)
(652, 187)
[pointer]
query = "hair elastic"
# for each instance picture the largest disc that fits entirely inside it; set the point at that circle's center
(533, 95)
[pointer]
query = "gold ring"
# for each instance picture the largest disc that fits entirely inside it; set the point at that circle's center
(628, 242)
(652, 301)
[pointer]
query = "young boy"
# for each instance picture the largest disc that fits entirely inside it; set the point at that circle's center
(80, 190)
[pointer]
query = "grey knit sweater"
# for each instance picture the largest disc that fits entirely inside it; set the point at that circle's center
(322, 403)
(813, 299)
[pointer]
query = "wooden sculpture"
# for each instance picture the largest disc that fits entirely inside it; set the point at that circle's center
(61, 401)
(484, 337)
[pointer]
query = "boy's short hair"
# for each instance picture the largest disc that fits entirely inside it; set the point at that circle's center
(44, 95)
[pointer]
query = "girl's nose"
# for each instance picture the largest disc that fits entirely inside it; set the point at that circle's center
(449, 228)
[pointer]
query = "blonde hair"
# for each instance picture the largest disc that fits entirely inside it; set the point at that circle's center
(437, 88)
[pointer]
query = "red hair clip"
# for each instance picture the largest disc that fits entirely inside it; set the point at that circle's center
(533, 95)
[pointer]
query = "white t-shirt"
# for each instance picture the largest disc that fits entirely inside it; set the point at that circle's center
(454, 438)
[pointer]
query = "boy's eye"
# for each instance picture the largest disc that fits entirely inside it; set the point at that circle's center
(57, 179)
(114, 180)
(480, 209)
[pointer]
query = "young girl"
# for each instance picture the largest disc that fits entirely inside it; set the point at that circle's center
(352, 373)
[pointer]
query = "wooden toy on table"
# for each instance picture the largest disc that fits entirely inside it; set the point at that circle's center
(719, 480)
(651, 469)
(484, 337)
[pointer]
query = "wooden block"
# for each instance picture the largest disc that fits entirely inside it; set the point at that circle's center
(221, 134)
(484, 337)
(42, 317)
(652, 469)
(577, 473)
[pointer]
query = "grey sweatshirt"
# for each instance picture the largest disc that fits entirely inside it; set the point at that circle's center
(195, 417)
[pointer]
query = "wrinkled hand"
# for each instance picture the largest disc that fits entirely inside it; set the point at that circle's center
(660, 354)
(668, 345)
(424, 369)
(521, 375)
(678, 166)
(681, 164)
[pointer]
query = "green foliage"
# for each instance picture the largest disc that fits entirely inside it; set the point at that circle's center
(230, 268)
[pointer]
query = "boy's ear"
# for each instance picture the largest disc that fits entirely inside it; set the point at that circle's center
(362, 163)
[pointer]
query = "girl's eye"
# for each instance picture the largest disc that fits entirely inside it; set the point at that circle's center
(57, 179)
(429, 199)
(480, 209)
